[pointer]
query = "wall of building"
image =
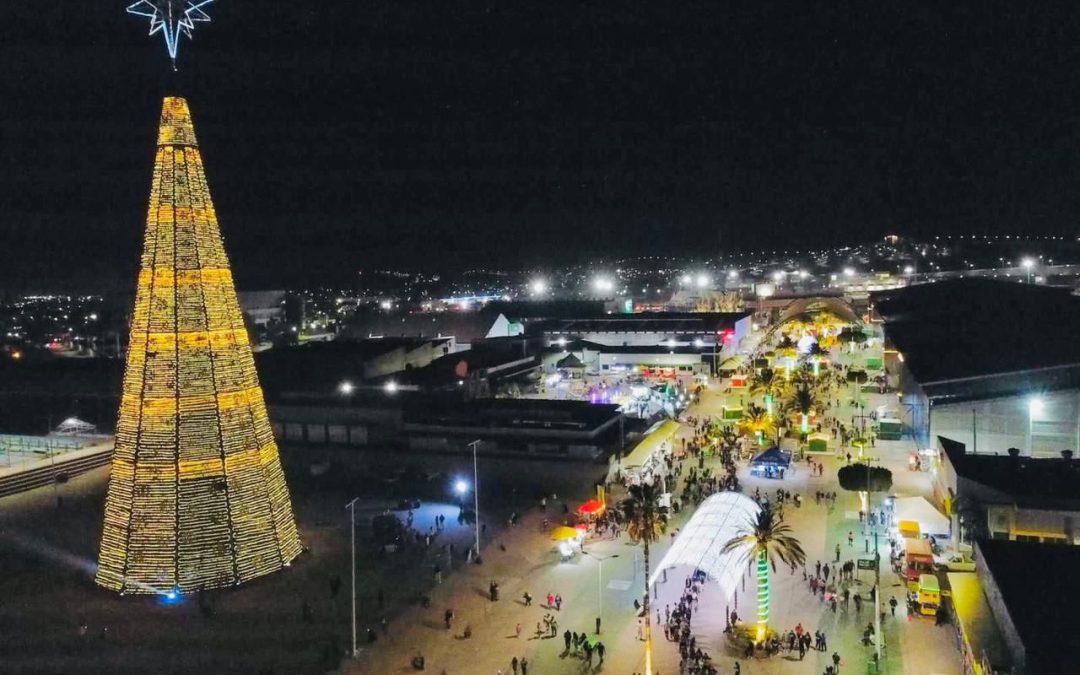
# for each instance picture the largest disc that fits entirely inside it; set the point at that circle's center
(403, 358)
(1006, 626)
(1023, 524)
(995, 425)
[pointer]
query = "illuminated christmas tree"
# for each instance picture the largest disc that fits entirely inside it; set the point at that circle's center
(197, 497)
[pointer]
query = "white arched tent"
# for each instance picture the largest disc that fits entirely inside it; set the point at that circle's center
(699, 544)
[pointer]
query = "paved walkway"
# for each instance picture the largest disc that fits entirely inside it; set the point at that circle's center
(529, 563)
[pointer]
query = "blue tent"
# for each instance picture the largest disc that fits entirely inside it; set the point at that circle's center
(769, 463)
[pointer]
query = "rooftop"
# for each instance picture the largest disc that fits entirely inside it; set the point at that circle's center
(661, 322)
(1039, 586)
(968, 328)
(1047, 481)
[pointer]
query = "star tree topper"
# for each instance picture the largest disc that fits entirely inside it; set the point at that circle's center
(171, 18)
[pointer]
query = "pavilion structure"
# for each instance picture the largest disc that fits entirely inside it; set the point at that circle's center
(197, 497)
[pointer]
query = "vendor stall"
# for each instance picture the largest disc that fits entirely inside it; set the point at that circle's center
(890, 429)
(649, 455)
(732, 412)
(817, 442)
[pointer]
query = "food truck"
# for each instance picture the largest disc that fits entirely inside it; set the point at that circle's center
(918, 560)
(929, 595)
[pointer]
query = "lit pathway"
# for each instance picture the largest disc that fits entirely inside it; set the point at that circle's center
(529, 563)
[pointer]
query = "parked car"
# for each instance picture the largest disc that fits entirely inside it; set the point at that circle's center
(954, 562)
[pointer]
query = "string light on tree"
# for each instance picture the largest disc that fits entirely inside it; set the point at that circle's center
(197, 497)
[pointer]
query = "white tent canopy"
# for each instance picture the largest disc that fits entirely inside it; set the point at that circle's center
(699, 544)
(917, 509)
(73, 426)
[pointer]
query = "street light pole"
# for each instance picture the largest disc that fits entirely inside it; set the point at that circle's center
(476, 496)
(352, 568)
(600, 584)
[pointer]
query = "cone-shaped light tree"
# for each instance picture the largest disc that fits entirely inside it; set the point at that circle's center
(197, 497)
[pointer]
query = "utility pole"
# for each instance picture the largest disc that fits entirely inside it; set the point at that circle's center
(476, 497)
(352, 568)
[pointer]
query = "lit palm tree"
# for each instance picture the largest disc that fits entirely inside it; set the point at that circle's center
(756, 422)
(804, 399)
(765, 383)
(644, 525)
(764, 538)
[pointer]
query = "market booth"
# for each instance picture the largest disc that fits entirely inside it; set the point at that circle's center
(738, 382)
(817, 442)
(591, 510)
(771, 463)
(890, 429)
(649, 454)
(732, 412)
(569, 540)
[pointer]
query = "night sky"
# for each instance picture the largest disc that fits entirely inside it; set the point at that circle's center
(341, 135)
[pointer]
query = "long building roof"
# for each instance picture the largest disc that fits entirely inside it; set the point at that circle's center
(952, 331)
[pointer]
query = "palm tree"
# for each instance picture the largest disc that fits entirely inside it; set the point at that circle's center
(766, 383)
(803, 400)
(764, 538)
(755, 421)
(644, 525)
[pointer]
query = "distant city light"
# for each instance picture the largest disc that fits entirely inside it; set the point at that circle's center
(803, 274)
(385, 304)
(346, 387)
(461, 487)
(390, 387)
(733, 274)
(849, 272)
(1028, 263)
(909, 270)
(538, 287)
(778, 276)
(686, 280)
(603, 284)
(702, 280)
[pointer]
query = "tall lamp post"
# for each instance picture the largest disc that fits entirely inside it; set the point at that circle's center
(476, 497)
(352, 568)
(600, 585)
(1028, 264)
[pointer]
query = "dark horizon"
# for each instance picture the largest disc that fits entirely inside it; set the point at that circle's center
(345, 137)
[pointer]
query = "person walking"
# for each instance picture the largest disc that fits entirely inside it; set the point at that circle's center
(517, 630)
(892, 605)
(600, 651)
(836, 661)
(514, 665)
(566, 639)
(838, 553)
(524, 666)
